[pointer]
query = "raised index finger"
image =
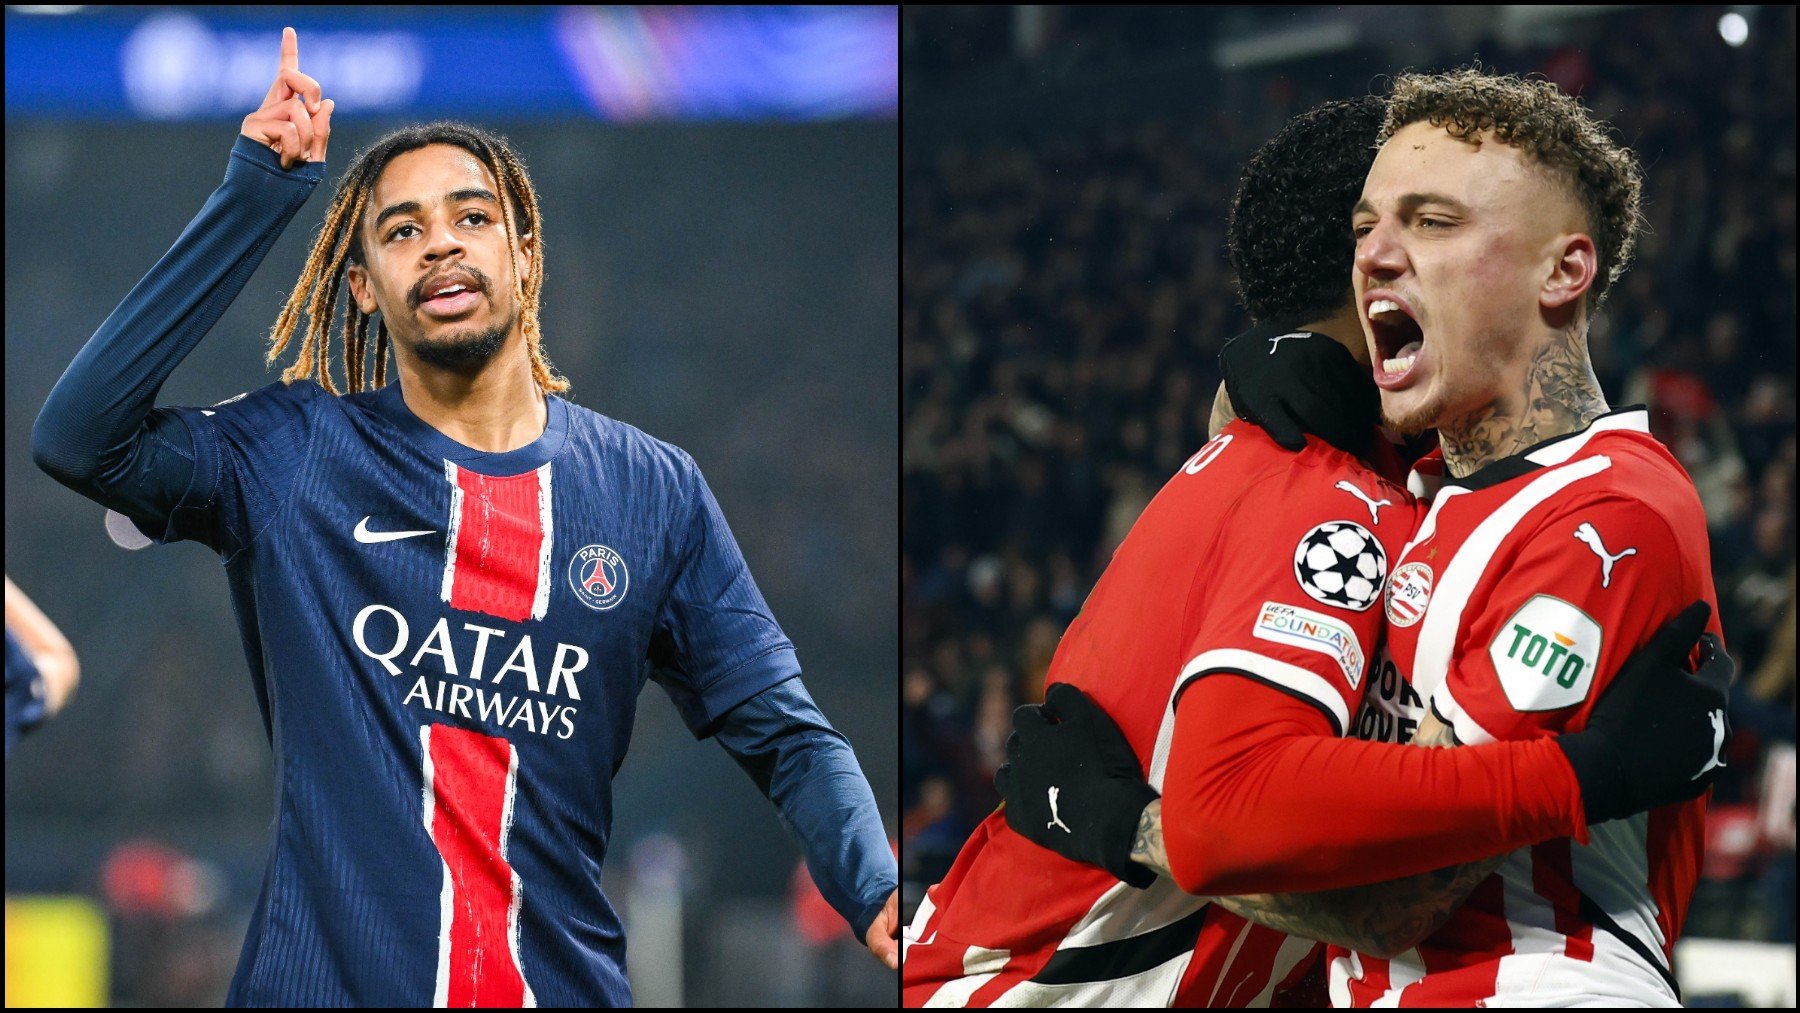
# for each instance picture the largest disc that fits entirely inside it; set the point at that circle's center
(290, 50)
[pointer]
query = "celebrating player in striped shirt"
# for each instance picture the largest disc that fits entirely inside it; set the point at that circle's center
(1267, 565)
(1493, 222)
(451, 588)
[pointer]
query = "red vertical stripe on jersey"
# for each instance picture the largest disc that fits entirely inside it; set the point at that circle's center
(1675, 842)
(1553, 878)
(1251, 966)
(500, 535)
(471, 781)
(1374, 981)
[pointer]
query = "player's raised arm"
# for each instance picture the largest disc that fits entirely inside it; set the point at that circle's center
(96, 432)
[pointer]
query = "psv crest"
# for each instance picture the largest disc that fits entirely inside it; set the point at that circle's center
(1408, 593)
(598, 577)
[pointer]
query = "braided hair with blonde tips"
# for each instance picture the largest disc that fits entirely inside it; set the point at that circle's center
(339, 245)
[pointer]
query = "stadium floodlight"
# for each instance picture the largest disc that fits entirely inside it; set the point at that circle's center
(1262, 48)
(1734, 29)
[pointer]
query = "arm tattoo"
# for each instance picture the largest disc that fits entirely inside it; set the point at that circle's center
(1147, 847)
(1380, 919)
(1560, 396)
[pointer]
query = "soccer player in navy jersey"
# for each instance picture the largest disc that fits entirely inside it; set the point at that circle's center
(451, 588)
(41, 668)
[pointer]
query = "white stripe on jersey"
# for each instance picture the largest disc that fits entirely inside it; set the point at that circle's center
(456, 505)
(447, 893)
(1125, 911)
(1154, 988)
(1540, 972)
(1309, 684)
(540, 602)
(1468, 731)
(1293, 950)
(915, 930)
(1122, 912)
(1443, 617)
(980, 965)
(1614, 872)
(1559, 451)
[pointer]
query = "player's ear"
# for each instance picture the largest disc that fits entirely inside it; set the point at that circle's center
(360, 290)
(527, 255)
(1573, 269)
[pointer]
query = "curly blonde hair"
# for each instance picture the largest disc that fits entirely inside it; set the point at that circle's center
(1553, 128)
(339, 244)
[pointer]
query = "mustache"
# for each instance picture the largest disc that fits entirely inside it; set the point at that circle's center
(470, 276)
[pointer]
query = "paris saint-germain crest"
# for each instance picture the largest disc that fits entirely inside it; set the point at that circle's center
(597, 575)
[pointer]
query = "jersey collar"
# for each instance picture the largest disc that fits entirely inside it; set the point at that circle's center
(1554, 451)
(532, 455)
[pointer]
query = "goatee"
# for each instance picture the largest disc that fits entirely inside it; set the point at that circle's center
(464, 352)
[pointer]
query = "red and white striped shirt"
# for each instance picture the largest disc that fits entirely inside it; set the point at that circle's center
(1524, 589)
(1252, 560)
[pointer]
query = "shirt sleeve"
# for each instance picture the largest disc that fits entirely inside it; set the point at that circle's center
(1260, 797)
(96, 432)
(716, 643)
(1292, 594)
(806, 767)
(1589, 587)
(248, 453)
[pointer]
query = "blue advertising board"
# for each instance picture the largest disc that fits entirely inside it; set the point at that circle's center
(619, 64)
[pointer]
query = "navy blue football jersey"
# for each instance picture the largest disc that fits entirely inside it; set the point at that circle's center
(25, 708)
(447, 646)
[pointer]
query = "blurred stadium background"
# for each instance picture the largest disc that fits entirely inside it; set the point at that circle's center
(1066, 174)
(719, 189)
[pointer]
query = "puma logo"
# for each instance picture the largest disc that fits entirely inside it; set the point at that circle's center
(1591, 538)
(1373, 504)
(1718, 760)
(1275, 342)
(1056, 821)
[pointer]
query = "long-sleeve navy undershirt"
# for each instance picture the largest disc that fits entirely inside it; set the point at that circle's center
(99, 434)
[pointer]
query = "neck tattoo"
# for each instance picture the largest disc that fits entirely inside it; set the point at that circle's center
(1560, 396)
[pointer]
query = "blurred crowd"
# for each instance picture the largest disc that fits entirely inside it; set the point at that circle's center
(1064, 300)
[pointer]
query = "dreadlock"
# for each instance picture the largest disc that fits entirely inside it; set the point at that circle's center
(339, 244)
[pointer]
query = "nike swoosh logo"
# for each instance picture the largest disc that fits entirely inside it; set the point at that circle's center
(367, 537)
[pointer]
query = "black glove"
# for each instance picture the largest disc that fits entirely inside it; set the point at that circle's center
(1658, 734)
(1289, 383)
(1073, 784)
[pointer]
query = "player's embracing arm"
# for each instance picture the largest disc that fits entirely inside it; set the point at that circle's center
(733, 674)
(1546, 637)
(97, 433)
(1379, 919)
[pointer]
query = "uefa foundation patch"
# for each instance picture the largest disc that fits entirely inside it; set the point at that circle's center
(1313, 631)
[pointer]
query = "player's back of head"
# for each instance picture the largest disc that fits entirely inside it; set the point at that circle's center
(1289, 229)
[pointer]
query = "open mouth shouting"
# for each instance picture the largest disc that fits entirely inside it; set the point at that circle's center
(1399, 341)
